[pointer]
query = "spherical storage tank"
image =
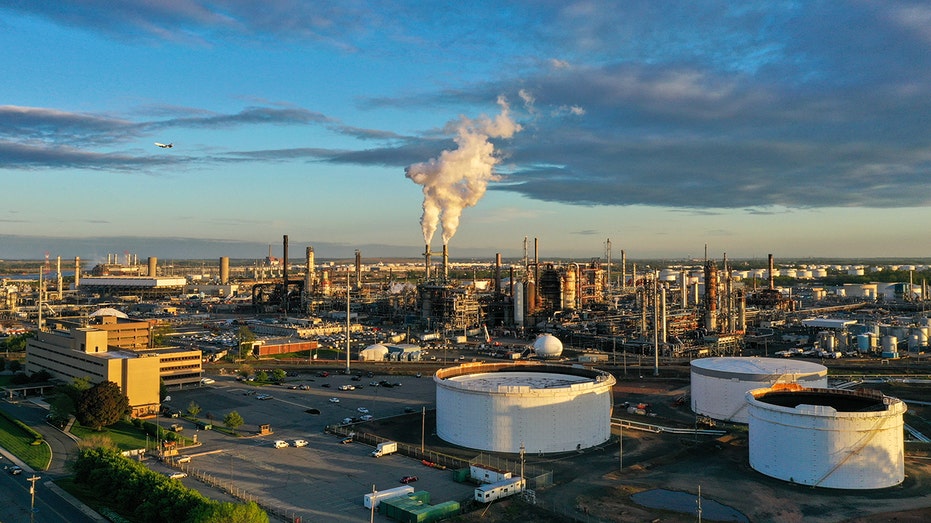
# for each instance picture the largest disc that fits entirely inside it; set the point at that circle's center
(547, 408)
(719, 385)
(827, 437)
(547, 346)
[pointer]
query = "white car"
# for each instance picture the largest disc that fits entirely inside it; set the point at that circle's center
(367, 417)
(363, 410)
(176, 475)
(280, 444)
(300, 443)
(334, 400)
(207, 381)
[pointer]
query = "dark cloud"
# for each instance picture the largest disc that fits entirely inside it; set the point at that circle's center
(25, 156)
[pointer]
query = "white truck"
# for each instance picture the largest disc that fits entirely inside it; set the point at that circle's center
(384, 448)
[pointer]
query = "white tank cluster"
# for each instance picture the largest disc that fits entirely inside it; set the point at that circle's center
(827, 437)
(547, 346)
(500, 406)
(719, 385)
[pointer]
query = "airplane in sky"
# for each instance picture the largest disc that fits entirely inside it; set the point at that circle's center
(165, 145)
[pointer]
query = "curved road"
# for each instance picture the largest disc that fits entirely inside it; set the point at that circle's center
(51, 503)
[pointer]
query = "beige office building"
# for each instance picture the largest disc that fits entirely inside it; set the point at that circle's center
(84, 353)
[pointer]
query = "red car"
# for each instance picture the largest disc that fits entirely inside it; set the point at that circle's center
(408, 479)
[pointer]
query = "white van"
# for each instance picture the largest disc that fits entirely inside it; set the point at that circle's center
(280, 444)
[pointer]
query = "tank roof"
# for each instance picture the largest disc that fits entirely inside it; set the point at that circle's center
(755, 368)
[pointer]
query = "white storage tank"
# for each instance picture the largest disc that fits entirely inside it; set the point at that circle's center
(827, 437)
(719, 385)
(548, 408)
(547, 346)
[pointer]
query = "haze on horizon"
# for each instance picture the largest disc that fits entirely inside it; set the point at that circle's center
(800, 129)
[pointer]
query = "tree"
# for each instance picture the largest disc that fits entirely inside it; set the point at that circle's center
(279, 375)
(222, 512)
(233, 420)
(246, 337)
(193, 408)
(261, 376)
(102, 405)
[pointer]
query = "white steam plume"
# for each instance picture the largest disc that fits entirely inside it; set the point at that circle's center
(458, 179)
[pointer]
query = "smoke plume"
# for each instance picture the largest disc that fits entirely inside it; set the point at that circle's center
(457, 179)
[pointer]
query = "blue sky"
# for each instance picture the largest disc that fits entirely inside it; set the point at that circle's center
(793, 128)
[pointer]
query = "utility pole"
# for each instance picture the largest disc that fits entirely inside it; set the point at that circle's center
(32, 492)
(423, 426)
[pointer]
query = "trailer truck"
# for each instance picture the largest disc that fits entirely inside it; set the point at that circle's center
(384, 448)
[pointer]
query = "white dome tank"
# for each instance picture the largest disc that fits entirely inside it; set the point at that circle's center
(827, 437)
(547, 346)
(547, 408)
(719, 385)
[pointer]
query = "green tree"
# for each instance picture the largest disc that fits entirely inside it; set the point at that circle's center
(193, 408)
(246, 337)
(261, 376)
(231, 513)
(102, 405)
(233, 420)
(279, 375)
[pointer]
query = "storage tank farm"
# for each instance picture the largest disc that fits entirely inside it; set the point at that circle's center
(719, 385)
(542, 408)
(827, 438)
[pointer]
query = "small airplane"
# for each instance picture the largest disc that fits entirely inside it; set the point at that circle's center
(165, 145)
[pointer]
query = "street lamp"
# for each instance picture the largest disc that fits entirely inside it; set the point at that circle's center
(32, 492)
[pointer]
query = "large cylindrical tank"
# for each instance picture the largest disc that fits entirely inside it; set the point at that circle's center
(153, 266)
(889, 343)
(719, 385)
(827, 340)
(827, 437)
(544, 408)
(224, 270)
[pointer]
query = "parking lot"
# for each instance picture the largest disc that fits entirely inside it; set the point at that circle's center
(324, 480)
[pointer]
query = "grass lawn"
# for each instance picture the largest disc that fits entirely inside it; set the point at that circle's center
(19, 443)
(124, 435)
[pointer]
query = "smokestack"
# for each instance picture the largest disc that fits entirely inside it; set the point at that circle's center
(358, 269)
(153, 266)
(58, 270)
(284, 273)
(309, 275)
(497, 274)
(224, 270)
(772, 285)
(445, 262)
(623, 270)
(685, 289)
(77, 271)
(426, 262)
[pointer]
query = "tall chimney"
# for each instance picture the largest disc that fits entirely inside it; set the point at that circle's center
(224, 270)
(358, 269)
(772, 267)
(536, 274)
(58, 269)
(284, 273)
(309, 275)
(497, 274)
(77, 271)
(153, 266)
(426, 262)
(445, 263)
(623, 270)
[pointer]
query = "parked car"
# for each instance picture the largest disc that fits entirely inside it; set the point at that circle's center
(15, 470)
(280, 444)
(347, 421)
(300, 443)
(367, 417)
(408, 479)
(345, 441)
(263, 397)
(334, 400)
(183, 459)
(363, 410)
(176, 474)
(207, 381)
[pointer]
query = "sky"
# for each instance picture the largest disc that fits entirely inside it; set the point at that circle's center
(794, 128)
